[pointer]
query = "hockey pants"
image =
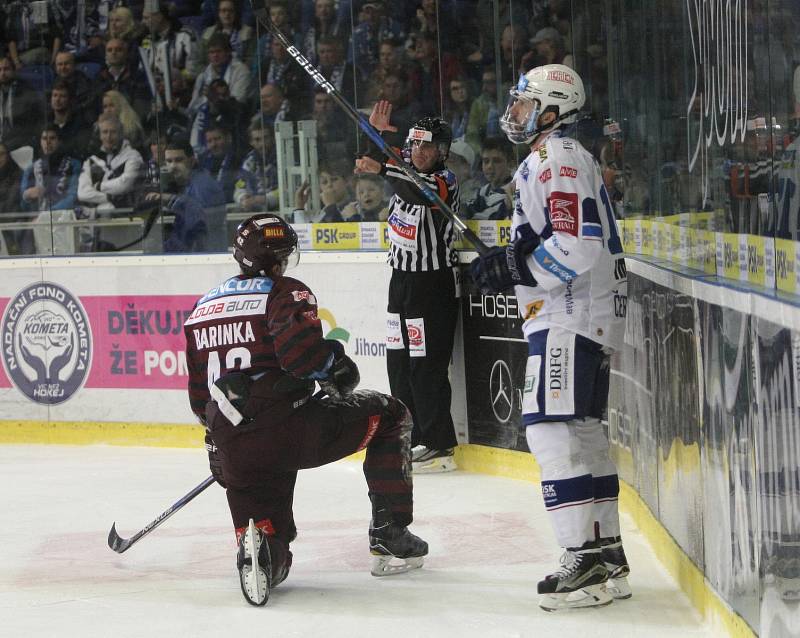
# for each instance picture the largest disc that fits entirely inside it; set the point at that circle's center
(422, 315)
(260, 464)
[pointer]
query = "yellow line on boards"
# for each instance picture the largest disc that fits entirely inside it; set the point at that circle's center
(91, 432)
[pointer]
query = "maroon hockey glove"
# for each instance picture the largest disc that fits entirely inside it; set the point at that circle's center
(213, 461)
(343, 376)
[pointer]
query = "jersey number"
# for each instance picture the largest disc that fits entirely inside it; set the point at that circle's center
(240, 356)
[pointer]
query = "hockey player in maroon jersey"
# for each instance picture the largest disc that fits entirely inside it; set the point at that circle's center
(254, 350)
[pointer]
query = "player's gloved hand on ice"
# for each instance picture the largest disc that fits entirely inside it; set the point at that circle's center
(343, 376)
(499, 269)
(213, 461)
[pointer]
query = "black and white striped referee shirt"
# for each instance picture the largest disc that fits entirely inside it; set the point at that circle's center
(421, 238)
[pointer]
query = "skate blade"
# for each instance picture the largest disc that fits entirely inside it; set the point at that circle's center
(592, 596)
(383, 565)
(618, 588)
(437, 465)
(255, 584)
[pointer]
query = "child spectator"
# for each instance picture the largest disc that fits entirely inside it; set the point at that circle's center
(492, 200)
(334, 191)
(370, 204)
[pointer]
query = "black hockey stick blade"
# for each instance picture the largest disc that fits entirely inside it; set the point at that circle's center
(115, 542)
(119, 544)
(260, 9)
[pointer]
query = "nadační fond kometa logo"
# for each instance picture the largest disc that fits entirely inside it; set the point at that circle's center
(47, 343)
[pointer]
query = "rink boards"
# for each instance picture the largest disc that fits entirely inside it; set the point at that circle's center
(703, 418)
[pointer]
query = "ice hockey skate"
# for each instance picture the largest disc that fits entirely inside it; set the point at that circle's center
(254, 576)
(394, 548)
(580, 582)
(427, 461)
(617, 566)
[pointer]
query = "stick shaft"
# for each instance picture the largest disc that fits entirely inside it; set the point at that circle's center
(363, 123)
(119, 544)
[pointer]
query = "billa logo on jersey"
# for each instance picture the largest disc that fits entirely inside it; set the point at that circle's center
(47, 343)
(564, 212)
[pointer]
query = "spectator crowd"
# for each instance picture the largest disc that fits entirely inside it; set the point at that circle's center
(170, 107)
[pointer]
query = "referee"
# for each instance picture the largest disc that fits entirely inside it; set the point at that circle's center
(423, 291)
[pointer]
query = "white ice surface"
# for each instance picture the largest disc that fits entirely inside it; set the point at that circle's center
(489, 538)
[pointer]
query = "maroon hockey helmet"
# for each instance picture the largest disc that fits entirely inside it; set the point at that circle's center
(262, 241)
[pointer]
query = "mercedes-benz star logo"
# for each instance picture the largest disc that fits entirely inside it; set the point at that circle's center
(501, 391)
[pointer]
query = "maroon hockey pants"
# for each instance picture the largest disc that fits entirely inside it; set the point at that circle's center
(260, 463)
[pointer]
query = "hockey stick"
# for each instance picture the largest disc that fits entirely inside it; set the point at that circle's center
(262, 15)
(119, 545)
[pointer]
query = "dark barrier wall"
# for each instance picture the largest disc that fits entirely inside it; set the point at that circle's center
(704, 423)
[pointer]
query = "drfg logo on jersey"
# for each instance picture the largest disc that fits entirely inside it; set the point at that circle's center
(558, 378)
(47, 343)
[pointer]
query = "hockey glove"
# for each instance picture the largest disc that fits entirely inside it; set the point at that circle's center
(343, 376)
(500, 268)
(231, 392)
(213, 461)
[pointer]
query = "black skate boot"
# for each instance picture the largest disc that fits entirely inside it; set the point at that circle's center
(254, 576)
(580, 582)
(388, 540)
(617, 566)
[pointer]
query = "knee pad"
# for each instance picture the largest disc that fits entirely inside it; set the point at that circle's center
(569, 448)
(396, 419)
(594, 443)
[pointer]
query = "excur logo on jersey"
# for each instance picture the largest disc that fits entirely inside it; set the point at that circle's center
(47, 343)
(564, 212)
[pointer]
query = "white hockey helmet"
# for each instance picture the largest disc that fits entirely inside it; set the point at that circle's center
(552, 87)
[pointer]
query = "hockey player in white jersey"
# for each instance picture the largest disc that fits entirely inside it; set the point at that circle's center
(566, 266)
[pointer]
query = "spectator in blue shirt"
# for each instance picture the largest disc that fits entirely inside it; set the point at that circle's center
(194, 198)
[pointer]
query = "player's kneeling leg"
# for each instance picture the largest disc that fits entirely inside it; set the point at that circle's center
(271, 566)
